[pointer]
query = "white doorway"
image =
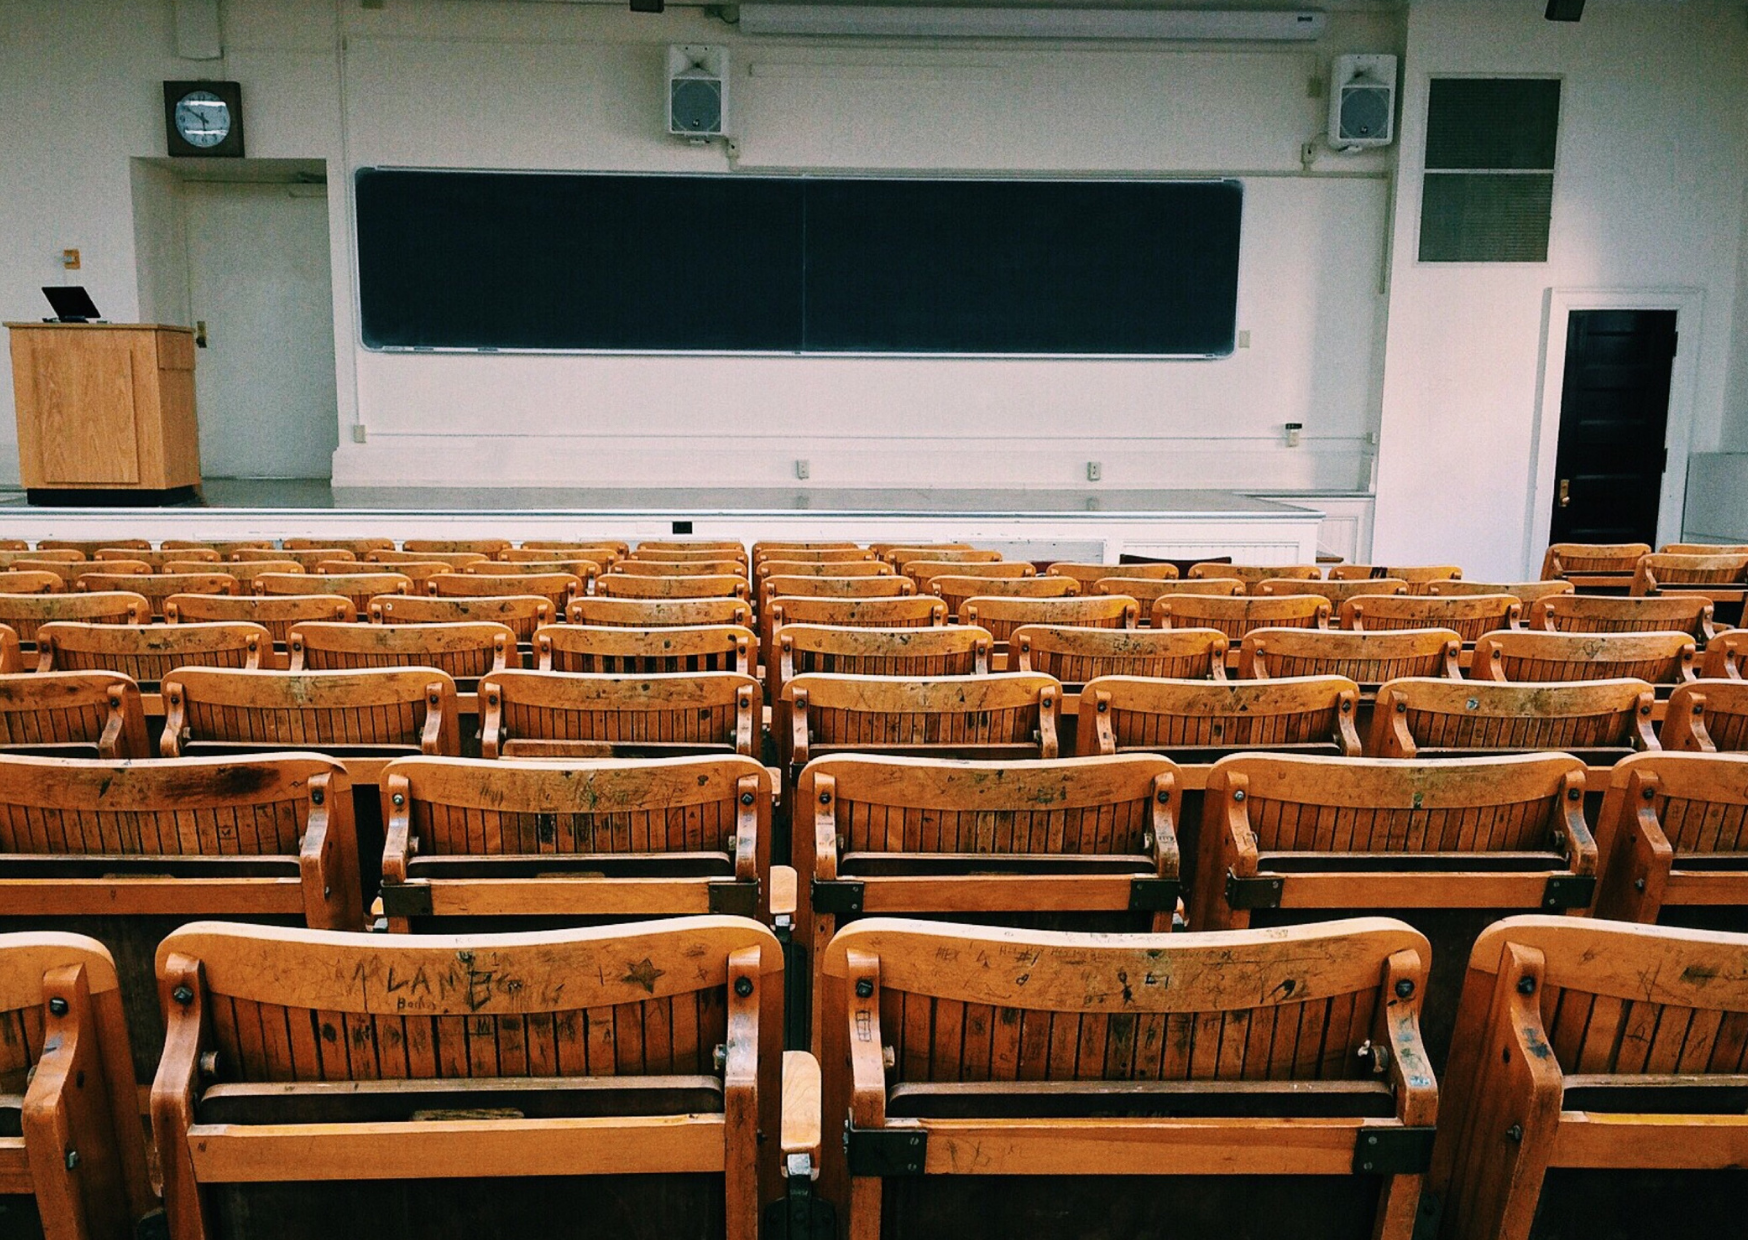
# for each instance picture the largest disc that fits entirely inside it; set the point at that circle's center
(259, 281)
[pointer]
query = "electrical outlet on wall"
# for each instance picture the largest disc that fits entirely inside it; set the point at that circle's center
(803, 470)
(358, 432)
(1094, 471)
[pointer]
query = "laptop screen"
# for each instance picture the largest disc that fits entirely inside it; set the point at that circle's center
(72, 304)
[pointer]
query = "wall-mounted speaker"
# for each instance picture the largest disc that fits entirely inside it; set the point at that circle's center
(697, 91)
(1362, 102)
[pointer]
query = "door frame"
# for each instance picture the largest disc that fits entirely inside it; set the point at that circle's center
(1558, 303)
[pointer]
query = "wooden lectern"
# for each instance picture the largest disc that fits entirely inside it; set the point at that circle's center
(105, 412)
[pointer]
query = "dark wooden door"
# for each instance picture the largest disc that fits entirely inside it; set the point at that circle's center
(1614, 409)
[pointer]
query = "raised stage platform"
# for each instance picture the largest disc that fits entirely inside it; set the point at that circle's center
(1093, 525)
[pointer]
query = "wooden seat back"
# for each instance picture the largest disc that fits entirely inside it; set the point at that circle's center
(245, 571)
(939, 553)
(487, 547)
(1526, 655)
(681, 568)
(693, 546)
(1087, 576)
(556, 588)
(1609, 1055)
(26, 581)
(1412, 574)
(359, 587)
(47, 554)
(603, 558)
(523, 614)
(73, 715)
(1147, 591)
(787, 585)
(924, 572)
(224, 546)
(1707, 716)
(161, 560)
(618, 650)
(275, 613)
(1368, 659)
(1466, 615)
(11, 652)
(148, 652)
(1525, 592)
(1199, 721)
(652, 838)
(811, 553)
(855, 650)
(567, 714)
(76, 1163)
(464, 649)
(614, 546)
(26, 613)
(358, 546)
(1601, 613)
(1723, 658)
(417, 572)
(89, 547)
(584, 570)
(880, 549)
(1592, 560)
(901, 611)
(1253, 575)
(1003, 615)
(70, 571)
(1075, 655)
(719, 585)
(456, 560)
(1336, 590)
(1671, 833)
(957, 591)
(306, 557)
(1236, 617)
(156, 587)
(373, 712)
(1039, 1057)
(1003, 715)
(1657, 572)
(658, 613)
(930, 837)
(543, 1017)
(1600, 720)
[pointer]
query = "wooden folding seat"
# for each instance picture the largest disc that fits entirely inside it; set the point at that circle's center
(1707, 716)
(811, 553)
(417, 572)
(157, 587)
(306, 557)
(1368, 659)
(556, 588)
(472, 1085)
(785, 585)
(127, 850)
(957, 591)
(275, 613)
(567, 714)
(1600, 721)
(880, 549)
(10, 559)
(1525, 655)
(224, 547)
(1593, 565)
(487, 547)
(11, 652)
(691, 544)
(723, 555)
(1237, 616)
(245, 571)
(1087, 576)
(73, 715)
(14, 544)
(372, 713)
(681, 568)
(1286, 839)
(1596, 613)
(1679, 548)
(626, 651)
(584, 570)
(621, 585)
(148, 652)
(1722, 659)
(898, 612)
(898, 557)
(359, 587)
(1467, 615)
(1146, 591)
(1005, 1082)
(1337, 592)
(89, 547)
(498, 842)
(1253, 575)
(456, 560)
(1088, 844)
(73, 1158)
(70, 572)
(779, 567)
(1595, 1086)
(923, 572)
(29, 582)
(523, 614)
(359, 547)
(638, 613)
(466, 650)
(614, 545)
(1076, 655)
(160, 559)
(1525, 592)
(854, 650)
(1003, 615)
(25, 613)
(603, 558)
(1001, 716)
(1719, 577)
(1199, 721)
(1670, 836)
(1414, 575)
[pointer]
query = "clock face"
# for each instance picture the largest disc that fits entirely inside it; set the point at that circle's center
(202, 118)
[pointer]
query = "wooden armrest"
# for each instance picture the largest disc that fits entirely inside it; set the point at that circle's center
(784, 884)
(801, 1104)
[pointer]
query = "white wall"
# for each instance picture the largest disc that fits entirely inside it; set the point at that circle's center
(1648, 194)
(1735, 421)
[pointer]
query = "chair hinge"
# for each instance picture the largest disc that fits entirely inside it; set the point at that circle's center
(1253, 892)
(1569, 891)
(886, 1151)
(406, 899)
(1154, 895)
(734, 898)
(1393, 1151)
(837, 895)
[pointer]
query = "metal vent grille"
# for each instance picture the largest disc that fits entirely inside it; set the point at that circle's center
(1489, 185)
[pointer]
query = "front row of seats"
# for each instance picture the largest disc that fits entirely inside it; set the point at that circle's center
(629, 1080)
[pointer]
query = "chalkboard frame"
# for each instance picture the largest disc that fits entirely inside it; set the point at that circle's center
(1226, 344)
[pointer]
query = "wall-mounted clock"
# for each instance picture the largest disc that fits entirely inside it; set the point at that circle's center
(204, 118)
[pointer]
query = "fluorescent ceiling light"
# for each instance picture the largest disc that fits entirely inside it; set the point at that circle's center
(940, 22)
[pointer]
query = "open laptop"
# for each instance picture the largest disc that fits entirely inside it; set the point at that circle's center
(71, 303)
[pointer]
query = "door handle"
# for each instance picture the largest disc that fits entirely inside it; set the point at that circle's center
(1565, 492)
(200, 334)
